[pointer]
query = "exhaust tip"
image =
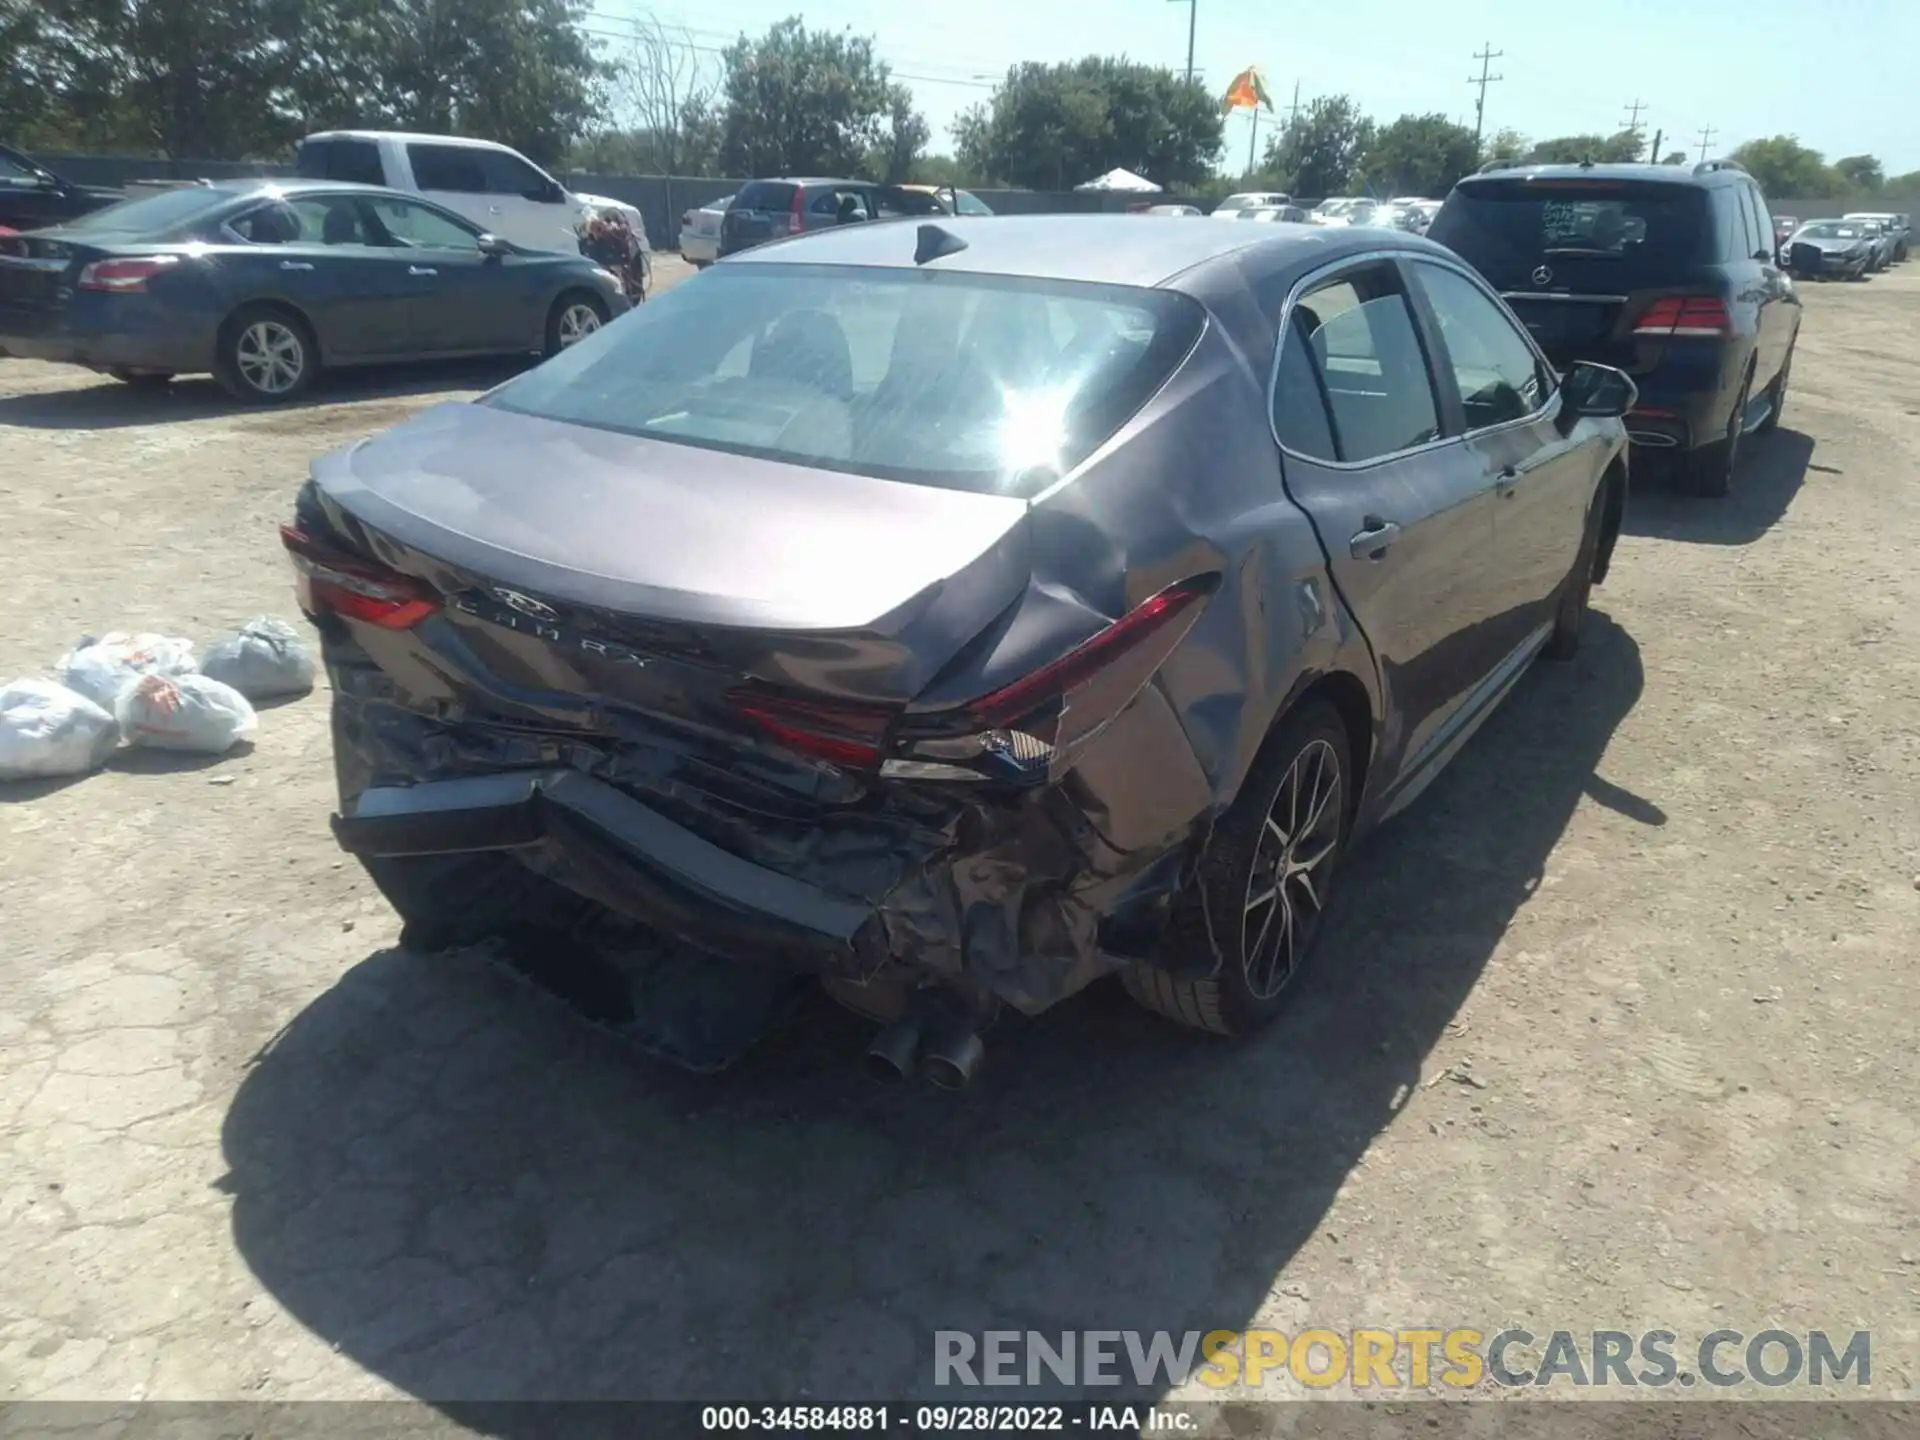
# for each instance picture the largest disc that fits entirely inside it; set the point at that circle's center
(953, 1057)
(890, 1058)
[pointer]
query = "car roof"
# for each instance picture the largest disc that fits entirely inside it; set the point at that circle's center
(1663, 174)
(1106, 249)
(294, 185)
(412, 137)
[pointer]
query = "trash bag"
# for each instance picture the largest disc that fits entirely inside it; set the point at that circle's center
(266, 658)
(184, 712)
(100, 669)
(48, 730)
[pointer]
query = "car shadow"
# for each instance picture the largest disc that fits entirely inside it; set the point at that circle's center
(111, 405)
(480, 1199)
(1771, 471)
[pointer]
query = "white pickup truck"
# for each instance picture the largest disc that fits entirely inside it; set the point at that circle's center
(497, 188)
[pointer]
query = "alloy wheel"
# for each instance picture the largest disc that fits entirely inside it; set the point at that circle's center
(1286, 885)
(271, 357)
(577, 321)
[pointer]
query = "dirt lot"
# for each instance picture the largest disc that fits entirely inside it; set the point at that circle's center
(1614, 1028)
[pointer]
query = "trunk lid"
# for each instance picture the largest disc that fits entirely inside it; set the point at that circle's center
(584, 570)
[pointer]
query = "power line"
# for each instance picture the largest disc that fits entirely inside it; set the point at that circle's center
(600, 33)
(1707, 132)
(1486, 57)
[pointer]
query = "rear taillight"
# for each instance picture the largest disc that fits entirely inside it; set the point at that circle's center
(1697, 316)
(331, 583)
(797, 216)
(686, 219)
(1026, 731)
(122, 277)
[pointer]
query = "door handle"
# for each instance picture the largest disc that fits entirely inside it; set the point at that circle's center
(493, 209)
(1374, 539)
(295, 265)
(420, 270)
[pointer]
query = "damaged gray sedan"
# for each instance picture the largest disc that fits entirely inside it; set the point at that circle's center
(954, 614)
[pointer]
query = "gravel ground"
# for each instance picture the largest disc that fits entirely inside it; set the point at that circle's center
(1614, 1028)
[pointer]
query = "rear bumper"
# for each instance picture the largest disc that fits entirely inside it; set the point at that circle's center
(107, 332)
(698, 249)
(609, 846)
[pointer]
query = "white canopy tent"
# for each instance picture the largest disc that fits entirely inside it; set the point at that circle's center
(1122, 180)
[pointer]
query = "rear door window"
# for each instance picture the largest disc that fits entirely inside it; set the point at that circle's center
(1591, 236)
(1360, 336)
(764, 195)
(840, 201)
(890, 201)
(1762, 220)
(452, 168)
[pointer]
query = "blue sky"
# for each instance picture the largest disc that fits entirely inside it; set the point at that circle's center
(1839, 73)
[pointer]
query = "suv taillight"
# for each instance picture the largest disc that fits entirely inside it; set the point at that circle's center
(1686, 316)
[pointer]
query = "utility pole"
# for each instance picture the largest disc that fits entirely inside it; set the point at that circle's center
(1631, 124)
(1653, 155)
(1193, 21)
(1707, 132)
(1486, 57)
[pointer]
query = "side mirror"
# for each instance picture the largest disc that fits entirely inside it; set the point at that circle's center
(494, 247)
(1597, 390)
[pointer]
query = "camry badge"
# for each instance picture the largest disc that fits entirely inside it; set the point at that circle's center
(526, 604)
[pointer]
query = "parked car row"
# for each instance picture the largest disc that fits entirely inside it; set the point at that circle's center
(1850, 248)
(775, 208)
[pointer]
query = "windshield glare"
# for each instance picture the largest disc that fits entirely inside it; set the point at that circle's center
(971, 382)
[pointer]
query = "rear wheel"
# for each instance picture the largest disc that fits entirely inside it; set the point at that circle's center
(574, 316)
(1710, 468)
(1263, 884)
(265, 356)
(1570, 615)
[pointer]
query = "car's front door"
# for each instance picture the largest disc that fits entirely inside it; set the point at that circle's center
(1405, 513)
(460, 299)
(1543, 479)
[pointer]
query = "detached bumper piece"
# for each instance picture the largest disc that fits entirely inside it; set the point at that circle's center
(606, 845)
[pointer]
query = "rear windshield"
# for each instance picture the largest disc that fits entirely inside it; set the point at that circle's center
(972, 382)
(764, 195)
(156, 214)
(1618, 233)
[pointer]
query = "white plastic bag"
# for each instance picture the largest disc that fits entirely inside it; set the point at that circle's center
(101, 669)
(184, 712)
(266, 658)
(47, 730)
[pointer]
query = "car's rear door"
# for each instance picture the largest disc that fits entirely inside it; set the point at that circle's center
(1543, 479)
(1404, 513)
(762, 210)
(1779, 317)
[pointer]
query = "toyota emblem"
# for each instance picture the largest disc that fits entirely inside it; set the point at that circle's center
(526, 605)
(1542, 276)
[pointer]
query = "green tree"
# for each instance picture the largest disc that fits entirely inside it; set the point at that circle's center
(1601, 149)
(1317, 153)
(1055, 126)
(1862, 174)
(1785, 167)
(905, 136)
(944, 170)
(659, 82)
(1508, 144)
(801, 101)
(1907, 184)
(1419, 155)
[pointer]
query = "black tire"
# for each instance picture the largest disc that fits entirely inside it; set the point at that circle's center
(142, 379)
(265, 355)
(1304, 761)
(565, 323)
(1710, 468)
(1777, 396)
(1576, 591)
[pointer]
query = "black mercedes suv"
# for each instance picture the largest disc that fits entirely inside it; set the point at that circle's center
(1667, 271)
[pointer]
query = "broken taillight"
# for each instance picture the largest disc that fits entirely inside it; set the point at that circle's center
(1023, 731)
(329, 582)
